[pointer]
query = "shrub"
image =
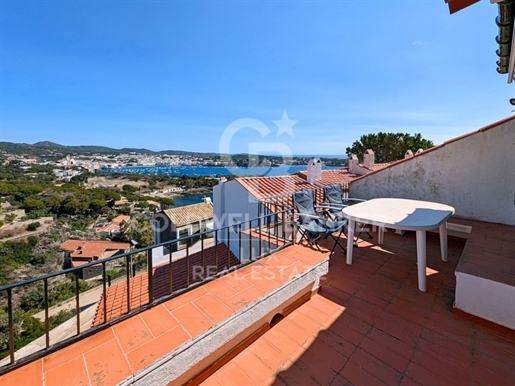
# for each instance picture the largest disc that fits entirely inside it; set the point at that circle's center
(33, 226)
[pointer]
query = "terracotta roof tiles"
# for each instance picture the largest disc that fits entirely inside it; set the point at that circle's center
(269, 186)
(92, 249)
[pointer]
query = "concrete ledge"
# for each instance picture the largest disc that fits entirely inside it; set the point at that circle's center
(193, 357)
(486, 299)
(485, 275)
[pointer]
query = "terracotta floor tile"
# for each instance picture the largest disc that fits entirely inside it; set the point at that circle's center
(192, 319)
(159, 320)
(185, 298)
(376, 367)
(283, 343)
(299, 334)
(357, 375)
(279, 260)
(237, 283)
(78, 349)
(232, 375)
(132, 333)
(244, 298)
(268, 354)
(324, 305)
(262, 282)
(275, 275)
(107, 364)
(221, 290)
(215, 309)
(295, 270)
(305, 322)
(320, 317)
(30, 374)
(400, 328)
(295, 375)
(72, 372)
(149, 352)
(253, 367)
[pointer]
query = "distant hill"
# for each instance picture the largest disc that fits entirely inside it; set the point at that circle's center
(51, 150)
(47, 148)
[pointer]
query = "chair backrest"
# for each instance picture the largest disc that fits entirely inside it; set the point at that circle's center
(305, 204)
(333, 193)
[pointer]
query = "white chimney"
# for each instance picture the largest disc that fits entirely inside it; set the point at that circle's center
(408, 154)
(368, 159)
(314, 170)
(419, 151)
(353, 164)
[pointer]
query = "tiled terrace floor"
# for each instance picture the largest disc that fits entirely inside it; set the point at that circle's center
(369, 325)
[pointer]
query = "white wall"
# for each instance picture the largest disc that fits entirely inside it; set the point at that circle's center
(486, 298)
(474, 174)
(232, 204)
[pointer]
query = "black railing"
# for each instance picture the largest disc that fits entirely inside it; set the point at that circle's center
(131, 282)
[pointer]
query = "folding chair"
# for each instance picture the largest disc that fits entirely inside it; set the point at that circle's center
(313, 227)
(335, 202)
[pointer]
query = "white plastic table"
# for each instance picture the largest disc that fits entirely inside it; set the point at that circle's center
(402, 214)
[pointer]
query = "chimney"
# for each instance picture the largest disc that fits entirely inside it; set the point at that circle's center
(408, 154)
(314, 170)
(419, 151)
(353, 164)
(368, 159)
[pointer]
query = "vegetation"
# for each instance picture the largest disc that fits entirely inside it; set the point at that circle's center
(388, 147)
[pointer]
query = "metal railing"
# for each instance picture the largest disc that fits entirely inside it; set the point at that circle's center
(131, 282)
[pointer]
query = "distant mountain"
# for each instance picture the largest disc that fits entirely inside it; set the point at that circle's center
(51, 150)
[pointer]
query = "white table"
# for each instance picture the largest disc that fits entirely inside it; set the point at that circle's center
(402, 214)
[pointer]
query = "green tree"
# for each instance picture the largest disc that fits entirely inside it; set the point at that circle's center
(142, 232)
(388, 147)
(33, 203)
(130, 188)
(53, 202)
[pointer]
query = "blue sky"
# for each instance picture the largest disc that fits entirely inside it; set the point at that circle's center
(175, 75)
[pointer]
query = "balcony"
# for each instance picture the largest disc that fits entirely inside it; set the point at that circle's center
(367, 323)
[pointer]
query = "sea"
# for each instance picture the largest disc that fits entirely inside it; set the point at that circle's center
(213, 171)
(209, 171)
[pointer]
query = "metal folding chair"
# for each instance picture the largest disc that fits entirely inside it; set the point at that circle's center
(335, 202)
(313, 227)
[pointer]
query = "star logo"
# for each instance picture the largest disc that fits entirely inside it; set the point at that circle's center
(284, 125)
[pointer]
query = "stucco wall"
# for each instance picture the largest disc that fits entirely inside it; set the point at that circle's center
(475, 174)
(232, 204)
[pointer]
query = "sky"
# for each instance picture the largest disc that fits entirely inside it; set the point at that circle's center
(269, 77)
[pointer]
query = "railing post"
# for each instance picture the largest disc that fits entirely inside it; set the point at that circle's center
(187, 264)
(77, 302)
(202, 255)
(104, 291)
(170, 271)
(150, 273)
(240, 250)
(260, 235)
(11, 324)
(128, 281)
(250, 240)
(216, 250)
(47, 326)
(229, 248)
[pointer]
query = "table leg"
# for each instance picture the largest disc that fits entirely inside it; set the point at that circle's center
(443, 240)
(350, 240)
(380, 235)
(421, 260)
